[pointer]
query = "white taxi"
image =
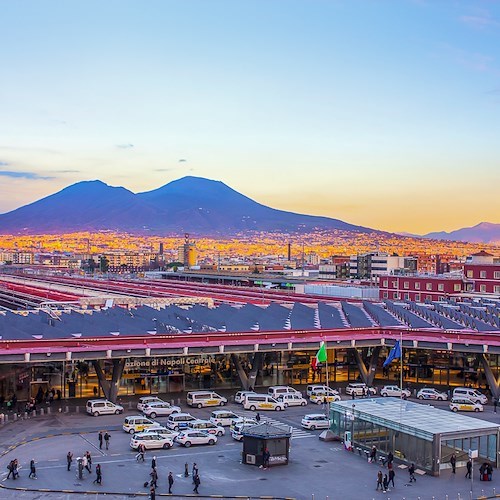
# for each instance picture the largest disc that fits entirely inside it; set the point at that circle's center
(138, 423)
(394, 391)
(292, 400)
(146, 400)
(189, 437)
(223, 417)
(319, 397)
(240, 396)
(239, 428)
(243, 420)
(207, 426)
(429, 393)
(315, 421)
(151, 441)
(255, 402)
(464, 404)
(161, 430)
(162, 409)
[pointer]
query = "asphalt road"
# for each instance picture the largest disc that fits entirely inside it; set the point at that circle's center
(316, 468)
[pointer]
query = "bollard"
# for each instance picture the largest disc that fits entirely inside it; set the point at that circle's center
(178, 401)
(25, 415)
(130, 405)
(494, 491)
(172, 402)
(66, 409)
(48, 410)
(6, 418)
(15, 416)
(41, 412)
(77, 409)
(312, 496)
(459, 496)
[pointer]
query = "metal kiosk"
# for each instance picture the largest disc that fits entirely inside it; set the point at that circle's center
(265, 436)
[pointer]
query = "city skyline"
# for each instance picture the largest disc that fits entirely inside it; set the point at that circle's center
(382, 115)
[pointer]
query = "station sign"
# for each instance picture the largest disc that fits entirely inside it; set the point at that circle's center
(170, 362)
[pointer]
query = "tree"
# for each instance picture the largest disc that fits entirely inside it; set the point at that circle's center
(103, 264)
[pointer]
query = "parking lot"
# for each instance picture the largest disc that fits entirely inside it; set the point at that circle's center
(322, 469)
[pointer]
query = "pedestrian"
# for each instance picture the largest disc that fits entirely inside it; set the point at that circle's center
(373, 455)
(411, 470)
(495, 404)
(106, 439)
(69, 459)
(469, 469)
(390, 458)
(170, 482)
(10, 468)
(95, 391)
(154, 478)
(195, 470)
(85, 463)
(141, 453)
(257, 418)
(379, 480)
(89, 460)
(186, 470)
(391, 477)
(353, 395)
(100, 439)
(453, 462)
(265, 458)
(98, 479)
(385, 483)
(196, 482)
(32, 470)
(153, 463)
(152, 493)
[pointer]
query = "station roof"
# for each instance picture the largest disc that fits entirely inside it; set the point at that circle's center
(423, 421)
(267, 430)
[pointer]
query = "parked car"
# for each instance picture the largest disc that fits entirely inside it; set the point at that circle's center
(161, 430)
(162, 409)
(464, 404)
(360, 389)
(318, 387)
(315, 421)
(189, 437)
(395, 392)
(138, 423)
(223, 417)
(320, 397)
(239, 428)
(292, 400)
(240, 396)
(262, 402)
(243, 420)
(429, 393)
(98, 407)
(199, 399)
(207, 426)
(146, 400)
(276, 390)
(469, 393)
(151, 441)
(177, 421)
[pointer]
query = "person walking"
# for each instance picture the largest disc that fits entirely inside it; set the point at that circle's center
(32, 474)
(89, 461)
(392, 474)
(390, 458)
(98, 479)
(385, 482)
(69, 459)
(170, 482)
(85, 463)
(186, 470)
(100, 438)
(411, 471)
(265, 458)
(194, 471)
(469, 469)
(197, 483)
(141, 453)
(257, 418)
(453, 462)
(107, 437)
(495, 404)
(10, 468)
(373, 454)
(152, 493)
(379, 480)
(154, 478)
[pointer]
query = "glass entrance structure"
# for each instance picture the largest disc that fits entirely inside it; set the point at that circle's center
(415, 433)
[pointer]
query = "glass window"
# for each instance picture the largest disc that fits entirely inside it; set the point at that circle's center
(428, 286)
(441, 287)
(417, 286)
(482, 274)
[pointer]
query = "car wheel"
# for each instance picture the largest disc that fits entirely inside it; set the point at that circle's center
(174, 412)
(252, 408)
(96, 414)
(167, 446)
(222, 403)
(440, 398)
(476, 409)
(199, 405)
(318, 402)
(211, 442)
(420, 397)
(303, 403)
(404, 396)
(131, 431)
(313, 427)
(187, 444)
(176, 428)
(278, 408)
(117, 412)
(152, 415)
(383, 394)
(454, 409)
(285, 405)
(219, 433)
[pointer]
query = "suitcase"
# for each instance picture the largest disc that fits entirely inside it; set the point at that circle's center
(146, 484)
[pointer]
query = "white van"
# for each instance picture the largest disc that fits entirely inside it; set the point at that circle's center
(138, 423)
(468, 393)
(178, 421)
(319, 388)
(292, 400)
(199, 399)
(277, 390)
(262, 402)
(98, 407)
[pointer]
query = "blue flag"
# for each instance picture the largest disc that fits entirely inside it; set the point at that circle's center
(395, 353)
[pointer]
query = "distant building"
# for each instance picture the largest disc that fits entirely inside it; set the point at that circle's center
(483, 269)
(187, 253)
(374, 264)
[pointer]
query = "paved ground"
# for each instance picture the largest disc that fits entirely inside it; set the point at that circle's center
(316, 468)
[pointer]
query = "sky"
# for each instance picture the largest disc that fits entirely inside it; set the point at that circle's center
(382, 114)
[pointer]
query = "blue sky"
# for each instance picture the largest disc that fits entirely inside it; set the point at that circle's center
(384, 114)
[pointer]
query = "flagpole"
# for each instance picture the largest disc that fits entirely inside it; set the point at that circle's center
(327, 384)
(401, 364)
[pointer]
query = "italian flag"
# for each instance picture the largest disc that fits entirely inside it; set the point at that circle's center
(320, 357)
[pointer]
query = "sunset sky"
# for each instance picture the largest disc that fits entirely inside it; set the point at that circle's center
(383, 114)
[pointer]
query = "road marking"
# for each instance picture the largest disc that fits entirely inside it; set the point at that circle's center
(92, 444)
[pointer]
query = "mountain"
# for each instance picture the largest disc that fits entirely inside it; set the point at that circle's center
(188, 205)
(484, 232)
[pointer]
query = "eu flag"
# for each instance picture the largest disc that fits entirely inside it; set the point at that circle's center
(395, 353)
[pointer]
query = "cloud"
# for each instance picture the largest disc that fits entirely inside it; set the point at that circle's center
(124, 146)
(23, 175)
